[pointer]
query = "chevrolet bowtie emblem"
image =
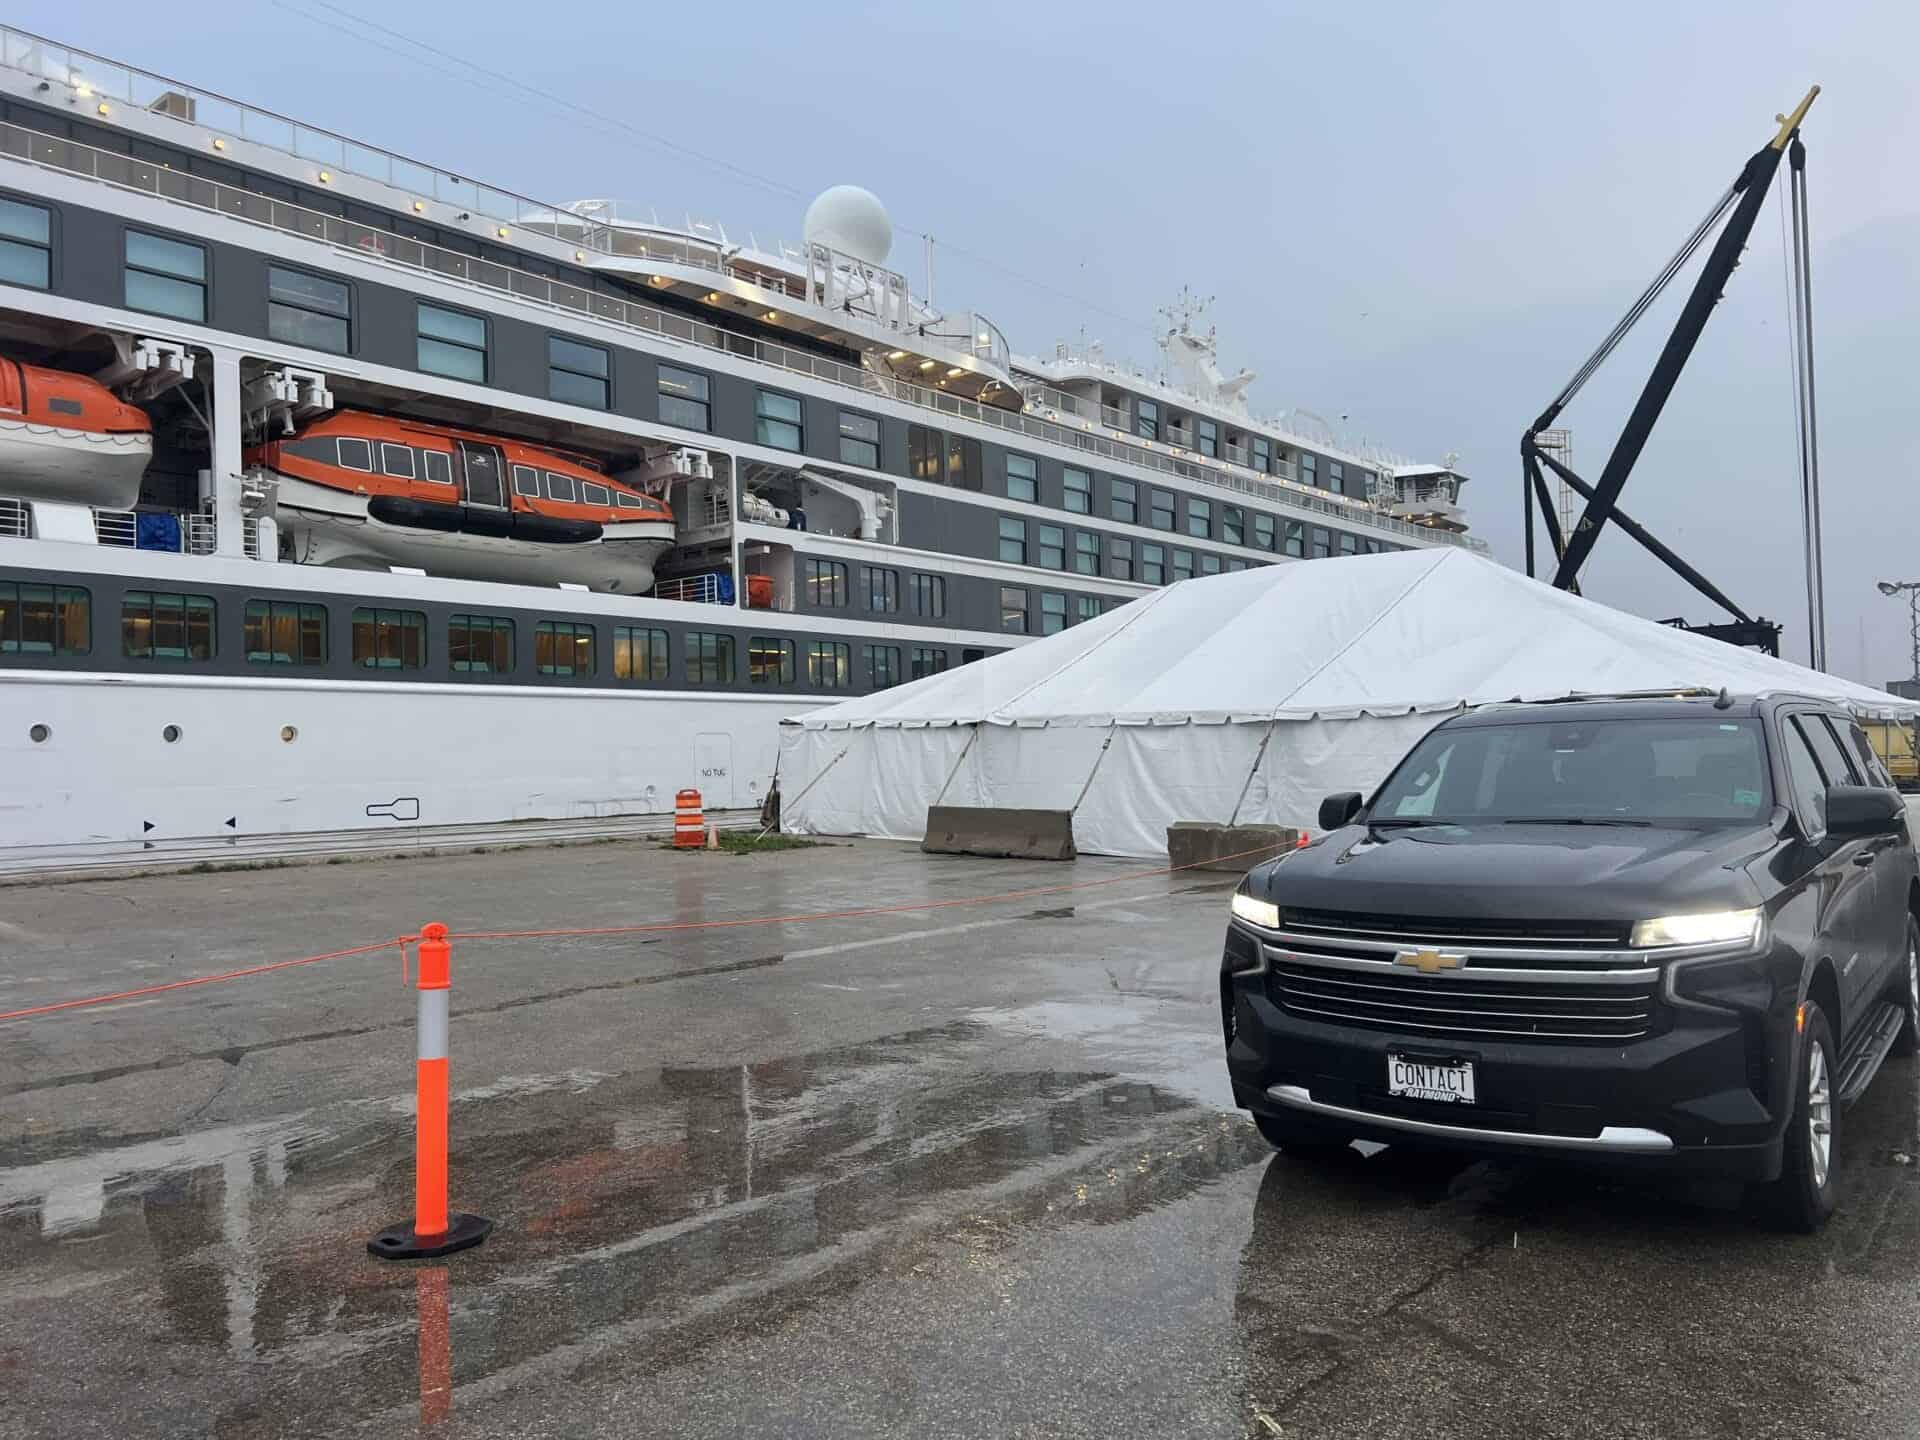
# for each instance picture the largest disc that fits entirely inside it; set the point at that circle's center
(1429, 962)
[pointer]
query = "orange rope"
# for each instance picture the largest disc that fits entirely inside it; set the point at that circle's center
(403, 941)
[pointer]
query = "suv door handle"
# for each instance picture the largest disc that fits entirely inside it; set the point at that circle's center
(1866, 857)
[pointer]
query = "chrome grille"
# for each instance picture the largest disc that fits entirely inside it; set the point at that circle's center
(1455, 930)
(1464, 1008)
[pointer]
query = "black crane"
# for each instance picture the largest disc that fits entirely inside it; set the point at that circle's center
(1744, 197)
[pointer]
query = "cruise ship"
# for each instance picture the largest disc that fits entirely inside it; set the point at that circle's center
(341, 493)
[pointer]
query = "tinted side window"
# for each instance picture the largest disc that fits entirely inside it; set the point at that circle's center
(1869, 761)
(1803, 775)
(1832, 756)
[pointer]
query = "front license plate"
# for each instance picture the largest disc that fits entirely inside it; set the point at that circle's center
(1422, 1080)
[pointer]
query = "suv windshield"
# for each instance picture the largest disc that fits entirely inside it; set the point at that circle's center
(1695, 771)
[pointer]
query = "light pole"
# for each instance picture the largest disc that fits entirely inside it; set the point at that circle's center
(1911, 589)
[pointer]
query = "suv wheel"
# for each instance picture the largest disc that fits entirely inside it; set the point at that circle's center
(1908, 1040)
(1803, 1197)
(1298, 1136)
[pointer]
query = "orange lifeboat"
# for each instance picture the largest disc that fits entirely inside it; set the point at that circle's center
(371, 491)
(66, 439)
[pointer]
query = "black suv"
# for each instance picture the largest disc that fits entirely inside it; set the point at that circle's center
(1672, 933)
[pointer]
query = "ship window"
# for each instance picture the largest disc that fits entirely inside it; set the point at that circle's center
(1120, 559)
(1160, 509)
(26, 245)
(1146, 419)
(684, 397)
(770, 660)
(156, 625)
(561, 487)
(563, 647)
(526, 481)
(1209, 441)
(308, 310)
(1086, 552)
(1262, 453)
(1153, 565)
(826, 583)
(829, 664)
(1307, 464)
(963, 462)
(452, 344)
(1183, 565)
(639, 653)
(628, 502)
(396, 460)
(883, 666)
(1023, 479)
(1349, 544)
(480, 644)
(1263, 531)
(709, 658)
(1296, 542)
(1053, 547)
(929, 660)
(389, 639)
(859, 440)
(1125, 505)
(356, 454)
(591, 494)
(1233, 525)
(1199, 518)
(1013, 540)
(1237, 563)
(883, 588)
(926, 453)
(576, 373)
(1053, 613)
(437, 466)
(1077, 491)
(1013, 609)
(321, 449)
(279, 632)
(930, 596)
(1336, 477)
(45, 620)
(1089, 607)
(1322, 543)
(167, 277)
(1209, 564)
(777, 420)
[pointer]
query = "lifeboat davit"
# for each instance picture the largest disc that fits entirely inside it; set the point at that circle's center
(370, 492)
(67, 439)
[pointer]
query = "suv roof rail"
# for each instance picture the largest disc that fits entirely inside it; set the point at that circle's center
(1676, 692)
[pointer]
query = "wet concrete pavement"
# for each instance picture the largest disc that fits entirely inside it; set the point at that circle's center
(961, 1172)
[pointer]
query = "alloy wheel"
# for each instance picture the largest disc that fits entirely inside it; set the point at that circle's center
(1819, 1115)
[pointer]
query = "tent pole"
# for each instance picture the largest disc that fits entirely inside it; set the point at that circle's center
(1105, 745)
(791, 804)
(1253, 770)
(975, 735)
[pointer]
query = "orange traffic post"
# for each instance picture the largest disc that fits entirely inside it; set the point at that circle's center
(689, 821)
(434, 1230)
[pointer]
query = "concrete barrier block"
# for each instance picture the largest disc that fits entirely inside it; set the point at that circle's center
(1200, 846)
(1003, 834)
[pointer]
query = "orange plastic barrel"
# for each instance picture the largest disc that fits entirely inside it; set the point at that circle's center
(689, 821)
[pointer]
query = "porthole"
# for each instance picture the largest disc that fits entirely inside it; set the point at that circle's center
(289, 734)
(40, 734)
(171, 734)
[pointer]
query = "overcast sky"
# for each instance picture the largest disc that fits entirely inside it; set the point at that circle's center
(1418, 216)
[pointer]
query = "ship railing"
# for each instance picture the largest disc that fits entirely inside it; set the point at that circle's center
(16, 519)
(1236, 454)
(1181, 436)
(198, 533)
(147, 178)
(1115, 416)
(696, 589)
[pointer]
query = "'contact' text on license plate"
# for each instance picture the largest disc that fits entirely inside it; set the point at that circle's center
(1424, 1080)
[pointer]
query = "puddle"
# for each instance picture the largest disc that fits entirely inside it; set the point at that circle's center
(635, 1212)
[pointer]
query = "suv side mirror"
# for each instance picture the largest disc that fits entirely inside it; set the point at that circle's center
(1338, 810)
(1863, 810)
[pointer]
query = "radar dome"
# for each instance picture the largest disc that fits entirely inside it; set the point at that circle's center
(852, 221)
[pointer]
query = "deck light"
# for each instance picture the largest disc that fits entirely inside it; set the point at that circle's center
(326, 177)
(772, 315)
(579, 255)
(713, 297)
(218, 143)
(501, 231)
(955, 373)
(926, 364)
(419, 207)
(105, 109)
(85, 92)
(896, 355)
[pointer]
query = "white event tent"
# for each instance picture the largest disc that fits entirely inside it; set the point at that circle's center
(1242, 698)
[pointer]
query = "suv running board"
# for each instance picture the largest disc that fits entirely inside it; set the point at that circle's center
(1862, 1060)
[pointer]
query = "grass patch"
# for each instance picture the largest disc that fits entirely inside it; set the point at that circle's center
(744, 842)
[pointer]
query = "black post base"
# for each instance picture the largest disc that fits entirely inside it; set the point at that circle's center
(399, 1242)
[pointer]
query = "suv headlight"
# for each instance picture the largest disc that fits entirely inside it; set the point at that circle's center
(1715, 927)
(1255, 911)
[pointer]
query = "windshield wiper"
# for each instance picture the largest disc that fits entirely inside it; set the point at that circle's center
(1403, 822)
(1578, 820)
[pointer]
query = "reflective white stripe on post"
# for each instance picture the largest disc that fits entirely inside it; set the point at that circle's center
(432, 1025)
